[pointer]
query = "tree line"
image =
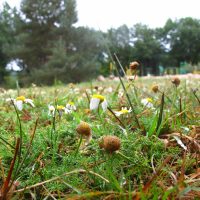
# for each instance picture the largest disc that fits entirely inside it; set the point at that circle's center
(41, 37)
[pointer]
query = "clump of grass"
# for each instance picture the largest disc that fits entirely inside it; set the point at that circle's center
(157, 158)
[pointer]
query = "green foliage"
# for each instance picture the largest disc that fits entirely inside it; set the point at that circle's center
(49, 144)
(183, 35)
(6, 37)
(42, 38)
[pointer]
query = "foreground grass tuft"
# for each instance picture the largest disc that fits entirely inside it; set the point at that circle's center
(59, 148)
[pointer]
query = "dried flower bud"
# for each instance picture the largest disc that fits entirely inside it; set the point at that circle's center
(84, 129)
(110, 143)
(134, 65)
(155, 88)
(176, 81)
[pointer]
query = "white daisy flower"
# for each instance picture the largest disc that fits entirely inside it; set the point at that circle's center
(123, 111)
(60, 110)
(96, 100)
(51, 110)
(19, 101)
(147, 102)
(70, 106)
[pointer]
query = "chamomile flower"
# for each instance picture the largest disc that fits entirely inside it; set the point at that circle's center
(70, 106)
(51, 110)
(96, 100)
(147, 102)
(60, 109)
(123, 111)
(19, 101)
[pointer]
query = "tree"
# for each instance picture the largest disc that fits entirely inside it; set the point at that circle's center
(147, 48)
(6, 37)
(119, 42)
(42, 23)
(182, 37)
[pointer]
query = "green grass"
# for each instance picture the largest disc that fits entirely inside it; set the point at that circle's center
(151, 163)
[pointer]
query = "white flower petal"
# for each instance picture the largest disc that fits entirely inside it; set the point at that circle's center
(144, 102)
(94, 103)
(117, 113)
(149, 105)
(68, 111)
(51, 110)
(30, 101)
(19, 104)
(104, 105)
(9, 99)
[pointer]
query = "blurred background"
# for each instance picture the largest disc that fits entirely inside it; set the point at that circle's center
(48, 42)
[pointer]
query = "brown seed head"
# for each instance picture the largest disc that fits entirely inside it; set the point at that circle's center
(155, 88)
(84, 129)
(133, 65)
(110, 143)
(176, 81)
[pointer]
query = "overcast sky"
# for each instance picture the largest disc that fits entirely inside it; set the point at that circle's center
(104, 14)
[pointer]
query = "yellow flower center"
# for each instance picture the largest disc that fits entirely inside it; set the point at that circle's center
(149, 100)
(60, 107)
(98, 96)
(20, 98)
(124, 111)
(71, 103)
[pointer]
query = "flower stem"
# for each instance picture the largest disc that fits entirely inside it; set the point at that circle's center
(79, 144)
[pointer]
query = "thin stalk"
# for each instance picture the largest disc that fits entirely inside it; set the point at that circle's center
(168, 98)
(180, 108)
(79, 144)
(123, 156)
(194, 92)
(6, 185)
(21, 136)
(128, 98)
(28, 148)
(117, 118)
(161, 112)
(7, 142)
(61, 177)
(18, 88)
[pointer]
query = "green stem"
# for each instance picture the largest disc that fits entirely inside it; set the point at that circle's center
(122, 124)
(7, 142)
(79, 144)
(123, 156)
(128, 98)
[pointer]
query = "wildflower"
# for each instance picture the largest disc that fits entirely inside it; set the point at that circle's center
(176, 81)
(85, 131)
(155, 88)
(60, 110)
(147, 102)
(123, 111)
(110, 143)
(134, 65)
(96, 100)
(51, 110)
(18, 102)
(70, 107)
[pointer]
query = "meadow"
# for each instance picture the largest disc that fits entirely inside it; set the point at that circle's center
(135, 139)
